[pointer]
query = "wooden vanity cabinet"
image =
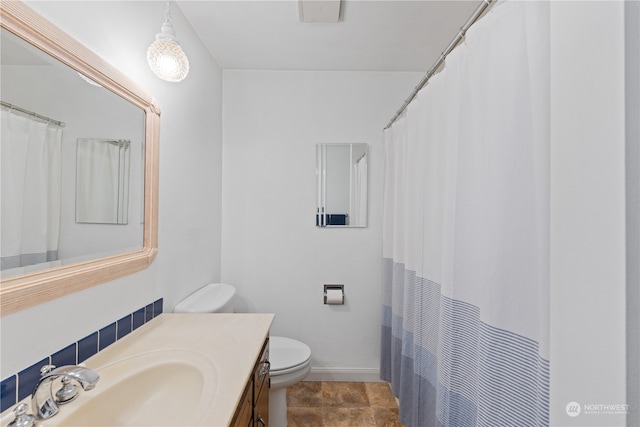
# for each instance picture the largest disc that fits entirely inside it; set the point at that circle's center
(253, 410)
(261, 388)
(244, 413)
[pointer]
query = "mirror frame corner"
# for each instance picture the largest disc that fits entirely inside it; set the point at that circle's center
(27, 290)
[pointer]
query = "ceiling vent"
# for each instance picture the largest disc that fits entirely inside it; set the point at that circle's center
(319, 11)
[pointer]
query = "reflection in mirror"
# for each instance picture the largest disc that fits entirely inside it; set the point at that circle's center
(102, 181)
(30, 187)
(341, 184)
(40, 214)
(49, 78)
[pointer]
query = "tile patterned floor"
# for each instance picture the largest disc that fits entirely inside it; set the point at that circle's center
(341, 404)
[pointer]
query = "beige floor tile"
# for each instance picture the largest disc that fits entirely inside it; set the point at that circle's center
(341, 404)
(380, 395)
(344, 395)
(305, 394)
(386, 417)
(304, 417)
(348, 417)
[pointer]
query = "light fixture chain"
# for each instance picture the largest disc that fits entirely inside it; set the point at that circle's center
(167, 14)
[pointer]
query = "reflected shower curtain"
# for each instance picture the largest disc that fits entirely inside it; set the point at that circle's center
(359, 197)
(466, 232)
(30, 158)
(102, 184)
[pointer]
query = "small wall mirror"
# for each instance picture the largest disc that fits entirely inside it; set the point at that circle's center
(341, 185)
(102, 180)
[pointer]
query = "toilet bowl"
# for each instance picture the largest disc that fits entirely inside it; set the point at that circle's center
(290, 359)
(290, 363)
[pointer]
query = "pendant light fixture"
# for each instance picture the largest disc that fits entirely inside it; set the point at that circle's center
(165, 56)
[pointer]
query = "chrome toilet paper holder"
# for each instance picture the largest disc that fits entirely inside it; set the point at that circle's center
(328, 288)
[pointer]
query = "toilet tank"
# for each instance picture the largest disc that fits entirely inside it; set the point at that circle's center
(212, 298)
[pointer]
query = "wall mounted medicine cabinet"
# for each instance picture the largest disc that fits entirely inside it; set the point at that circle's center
(341, 185)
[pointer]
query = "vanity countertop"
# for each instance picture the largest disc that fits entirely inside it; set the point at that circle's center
(229, 342)
(232, 342)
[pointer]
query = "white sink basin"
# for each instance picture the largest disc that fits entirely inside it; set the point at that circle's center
(160, 388)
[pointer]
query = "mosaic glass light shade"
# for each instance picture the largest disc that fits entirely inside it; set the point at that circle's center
(165, 56)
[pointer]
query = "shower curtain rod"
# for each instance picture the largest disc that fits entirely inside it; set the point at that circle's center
(472, 19)
(119, 142)
(31, 113)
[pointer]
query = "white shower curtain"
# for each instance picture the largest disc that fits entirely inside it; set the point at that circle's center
(466, 232)
(30, 159)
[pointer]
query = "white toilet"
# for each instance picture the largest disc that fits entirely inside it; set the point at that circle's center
(290, 359)
(290, 363)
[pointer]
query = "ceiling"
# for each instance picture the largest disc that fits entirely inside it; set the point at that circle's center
(372, 35)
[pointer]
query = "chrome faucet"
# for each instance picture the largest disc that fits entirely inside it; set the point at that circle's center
(45, 403)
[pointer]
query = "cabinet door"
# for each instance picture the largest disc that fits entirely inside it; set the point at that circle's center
(244, 414)
(261, 410)
(261, 389)
(261, 373)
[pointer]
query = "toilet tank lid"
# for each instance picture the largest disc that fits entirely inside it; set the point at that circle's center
(208, 299)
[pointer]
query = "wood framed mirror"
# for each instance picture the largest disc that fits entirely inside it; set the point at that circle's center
(27, 289)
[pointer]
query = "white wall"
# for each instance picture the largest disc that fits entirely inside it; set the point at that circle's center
(587, 210)
(271, 250)
(190, 179)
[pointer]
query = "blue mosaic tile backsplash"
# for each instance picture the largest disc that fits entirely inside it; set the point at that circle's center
(18, 386)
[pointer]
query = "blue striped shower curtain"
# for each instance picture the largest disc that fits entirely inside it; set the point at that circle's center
(465, 339)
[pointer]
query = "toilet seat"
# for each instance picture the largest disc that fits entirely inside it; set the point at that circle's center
(287, 355)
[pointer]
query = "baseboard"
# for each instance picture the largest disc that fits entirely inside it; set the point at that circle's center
(344, 374)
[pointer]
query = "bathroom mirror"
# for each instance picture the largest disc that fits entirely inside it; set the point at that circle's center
(341, 185)
(102, 180)
(48, 77)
